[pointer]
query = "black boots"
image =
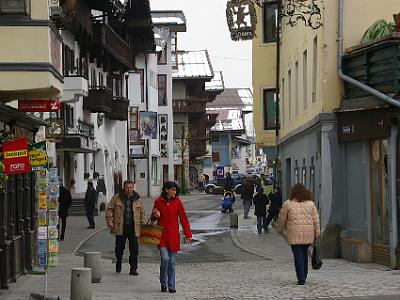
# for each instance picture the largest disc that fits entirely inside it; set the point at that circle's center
(133, 272)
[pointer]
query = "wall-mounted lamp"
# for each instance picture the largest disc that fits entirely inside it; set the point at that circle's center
(75, 164)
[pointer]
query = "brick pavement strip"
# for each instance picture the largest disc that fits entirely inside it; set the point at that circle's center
(271, 278)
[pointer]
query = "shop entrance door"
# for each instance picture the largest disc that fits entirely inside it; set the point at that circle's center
(380, 201)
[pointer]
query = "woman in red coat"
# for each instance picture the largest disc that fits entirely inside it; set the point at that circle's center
(166, 210)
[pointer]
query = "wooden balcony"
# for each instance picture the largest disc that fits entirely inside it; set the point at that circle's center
(119, 109)
(98, 100)
(376, 64)
(188, 106)
(105, 37)
(198, 148)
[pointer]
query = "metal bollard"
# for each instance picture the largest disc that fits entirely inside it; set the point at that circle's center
(234, 220)
(93, 260)
(81, 288)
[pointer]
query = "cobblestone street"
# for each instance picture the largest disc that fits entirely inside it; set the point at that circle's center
(269, 277)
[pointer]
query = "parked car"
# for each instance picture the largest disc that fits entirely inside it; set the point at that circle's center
(217, 186)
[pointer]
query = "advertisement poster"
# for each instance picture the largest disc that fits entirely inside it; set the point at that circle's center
(38, 158)
(15, 157)
(41, 246)
(42, 233)
(53, 203)
(53, 218)
(148, 125)
(42, 218)
(53, 246)
(53, 233)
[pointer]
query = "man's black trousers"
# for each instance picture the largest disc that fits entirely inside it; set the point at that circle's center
(120, 241)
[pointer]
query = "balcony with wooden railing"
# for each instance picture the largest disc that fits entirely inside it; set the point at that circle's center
(119, 109)
(188, 106)
(105, 37)
(98, 100)
(376, 64)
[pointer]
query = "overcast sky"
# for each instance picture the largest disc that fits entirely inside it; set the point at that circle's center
(207, 29)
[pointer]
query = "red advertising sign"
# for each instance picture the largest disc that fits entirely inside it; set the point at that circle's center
(15, 157)
(49, 105)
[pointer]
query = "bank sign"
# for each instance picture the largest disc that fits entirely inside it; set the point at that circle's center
(15, 157)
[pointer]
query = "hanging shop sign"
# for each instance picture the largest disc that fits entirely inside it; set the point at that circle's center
(163, 119)
(56, 129)
(38, 157)
(15, 157)
(49, 105)
(242, 19)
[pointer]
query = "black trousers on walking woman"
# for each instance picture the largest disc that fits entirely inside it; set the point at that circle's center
(300, 253)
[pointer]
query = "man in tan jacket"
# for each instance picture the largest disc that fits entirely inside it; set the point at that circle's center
(124, 215)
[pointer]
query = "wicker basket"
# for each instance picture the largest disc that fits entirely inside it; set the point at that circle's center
(151, 234)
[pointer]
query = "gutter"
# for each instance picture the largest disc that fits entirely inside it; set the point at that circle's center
(393, 136)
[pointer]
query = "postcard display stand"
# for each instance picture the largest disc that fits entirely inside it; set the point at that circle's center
(47, 192)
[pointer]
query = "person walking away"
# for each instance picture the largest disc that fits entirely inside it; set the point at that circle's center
(275, 204)
(166, 210)
(260, 201)
(90, 204)
(299, 215)
(64, 202)
(125, 215)
(246, 193)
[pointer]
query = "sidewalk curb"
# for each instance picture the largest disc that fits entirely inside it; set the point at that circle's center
(75, 251)
(239, 244)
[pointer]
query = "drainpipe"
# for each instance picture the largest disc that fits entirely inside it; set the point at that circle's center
(358, 84)
(128, 176)
(393, 134)
(147, 109)
(393, 179)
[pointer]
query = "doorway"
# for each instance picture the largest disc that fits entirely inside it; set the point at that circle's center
(380, 201)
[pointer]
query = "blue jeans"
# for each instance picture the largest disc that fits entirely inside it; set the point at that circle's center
(300, 253)
(167, 268)
(246, 206)
(261, 222)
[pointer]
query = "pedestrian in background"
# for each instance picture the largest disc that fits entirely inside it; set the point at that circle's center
(246, 193)
(260, 201)
(275, 204)
(299, 215)
(166, 210)
(90, 204)
(125, 215)
(64, 202)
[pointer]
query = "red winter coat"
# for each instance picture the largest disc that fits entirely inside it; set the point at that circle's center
(169, 212)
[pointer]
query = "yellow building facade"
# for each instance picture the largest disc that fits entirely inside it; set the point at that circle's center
(30, 52)
(310, 93)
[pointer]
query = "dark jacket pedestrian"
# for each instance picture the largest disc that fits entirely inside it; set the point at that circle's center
(275, 204)
(64, 202)
(166, 210)
(90, 203)
(275, 198)
(125, 215)
(229, 183)
(246, 193)
(260, 201)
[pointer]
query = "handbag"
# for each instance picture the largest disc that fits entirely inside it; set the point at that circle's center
(316, 260)
(150, 233)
